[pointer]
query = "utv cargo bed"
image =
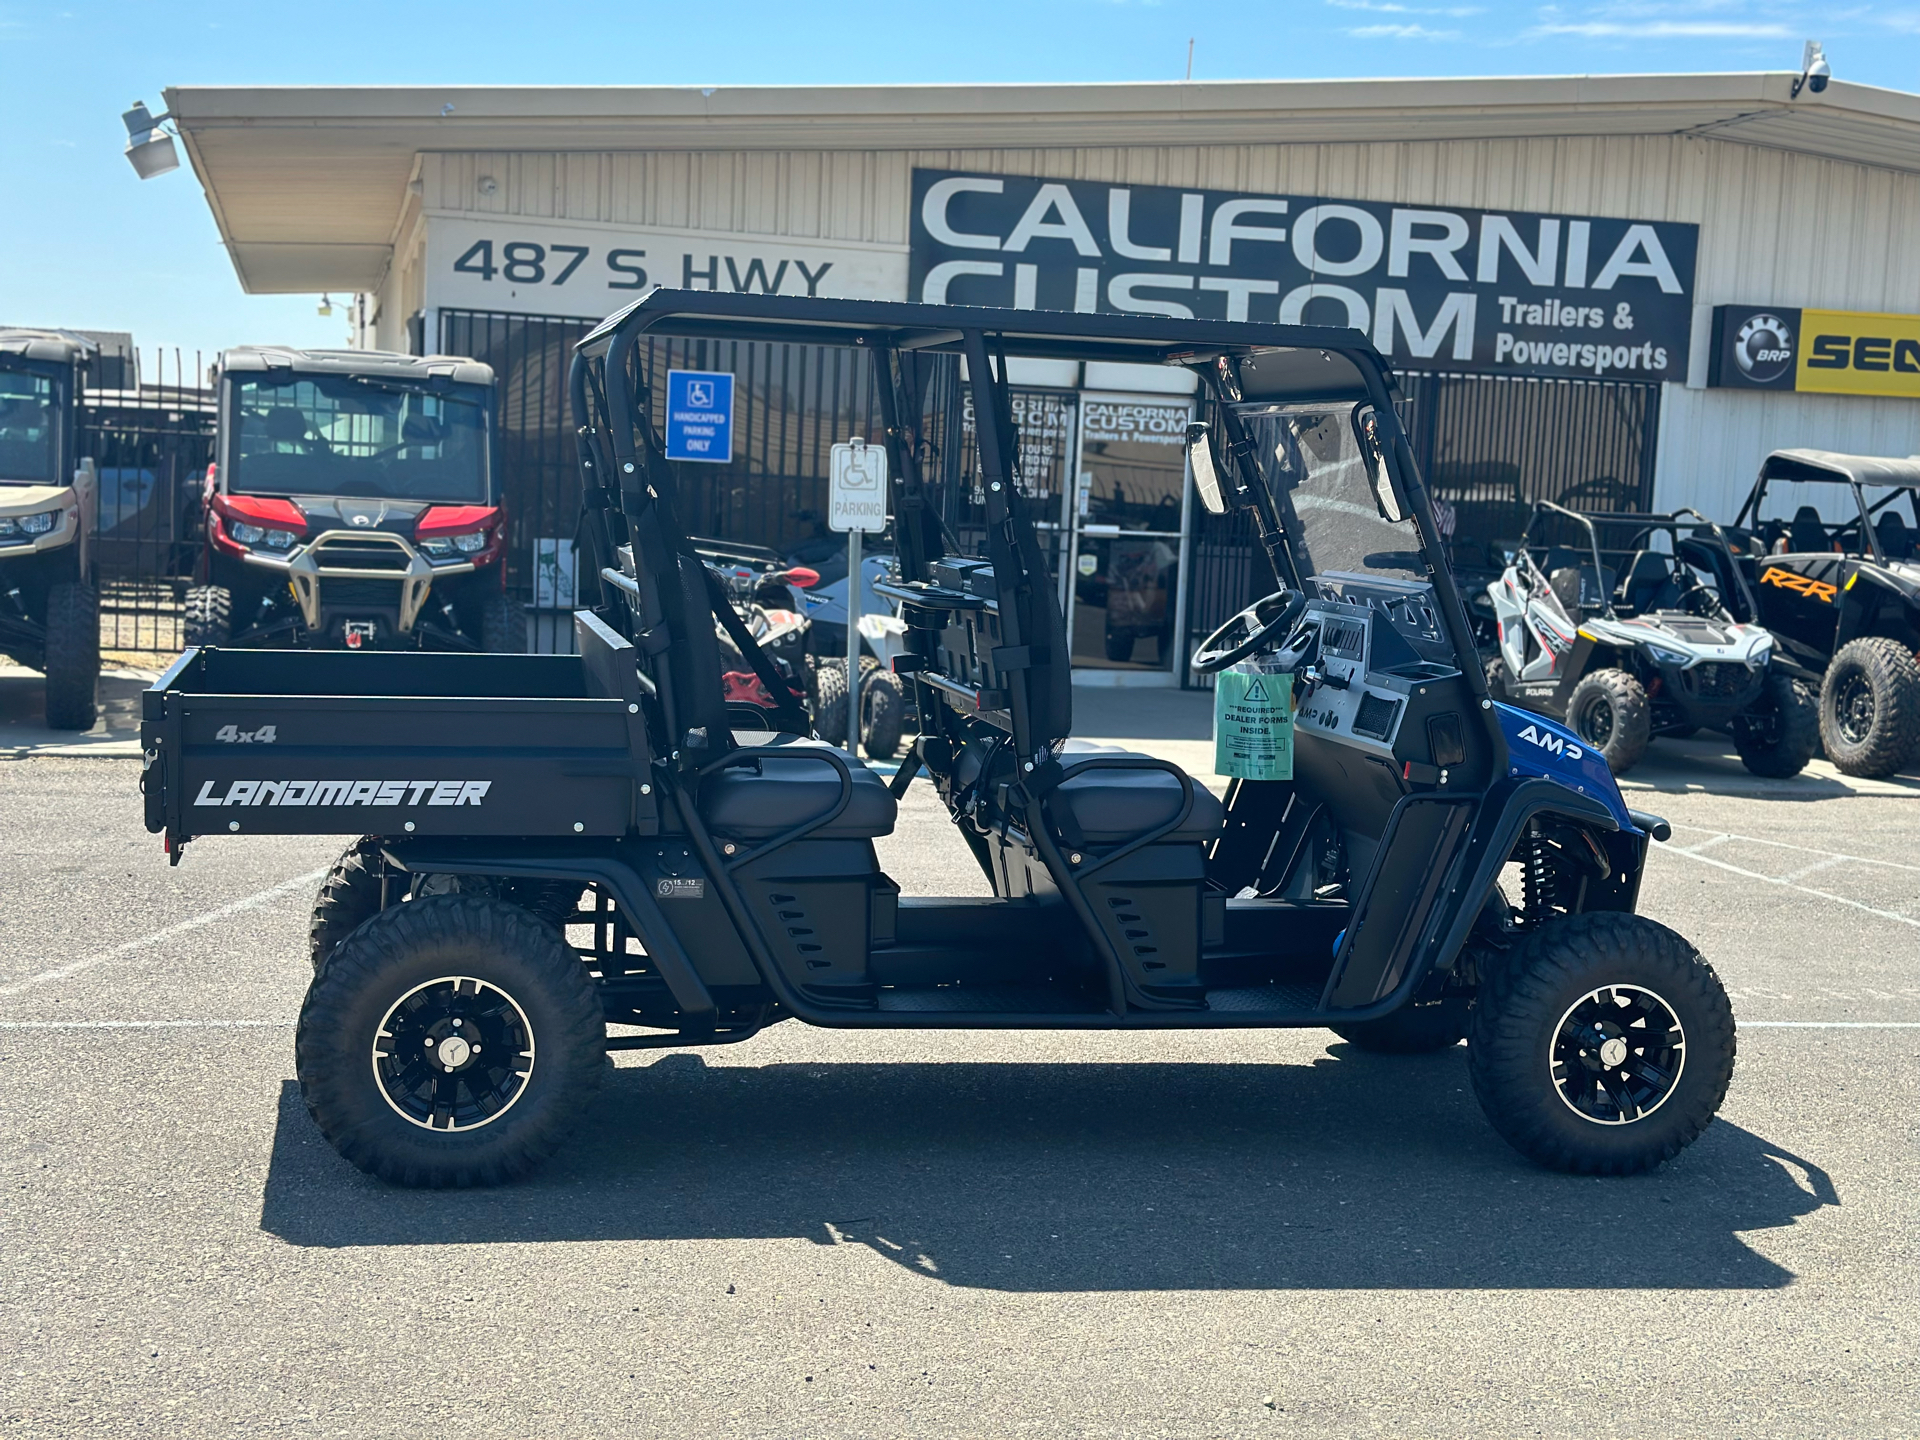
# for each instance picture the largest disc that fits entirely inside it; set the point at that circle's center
(342, 743)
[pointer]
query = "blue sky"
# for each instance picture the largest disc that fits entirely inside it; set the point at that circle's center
(83, 243)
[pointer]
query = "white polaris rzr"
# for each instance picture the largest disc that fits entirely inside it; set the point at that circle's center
(1646, 646)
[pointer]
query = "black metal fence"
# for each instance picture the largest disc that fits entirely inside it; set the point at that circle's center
(1488, 446)
(151, 441)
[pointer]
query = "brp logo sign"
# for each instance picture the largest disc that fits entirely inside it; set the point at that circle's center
(1763, 349)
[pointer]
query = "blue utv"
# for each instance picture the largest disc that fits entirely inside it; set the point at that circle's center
(556, 845)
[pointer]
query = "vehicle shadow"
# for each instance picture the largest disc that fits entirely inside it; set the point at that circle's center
(1355, 1171)
(1708, 762)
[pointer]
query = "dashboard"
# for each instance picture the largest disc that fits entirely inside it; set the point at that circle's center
(1380, 642)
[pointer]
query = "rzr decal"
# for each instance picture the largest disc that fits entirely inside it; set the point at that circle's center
(1800, 584)
(1552, 743)
(345, 792)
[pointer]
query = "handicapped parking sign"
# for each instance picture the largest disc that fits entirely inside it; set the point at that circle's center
(700, 415)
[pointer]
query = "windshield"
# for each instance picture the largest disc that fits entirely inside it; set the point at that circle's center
(339, 435)
(27, 427)
(1323, 483)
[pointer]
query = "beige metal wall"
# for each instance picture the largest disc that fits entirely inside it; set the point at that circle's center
(1776, 228)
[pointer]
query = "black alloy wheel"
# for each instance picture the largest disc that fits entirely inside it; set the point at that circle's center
(454, 1053)
(1617, 1054)
(1595, 721)
(1853, 708)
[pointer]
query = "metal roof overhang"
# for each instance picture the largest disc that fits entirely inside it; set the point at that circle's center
(308, 184)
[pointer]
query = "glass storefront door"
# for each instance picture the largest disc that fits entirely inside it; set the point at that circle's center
(1129, 513)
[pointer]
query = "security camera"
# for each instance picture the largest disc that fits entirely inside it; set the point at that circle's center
(1814, 70)
(150, 150)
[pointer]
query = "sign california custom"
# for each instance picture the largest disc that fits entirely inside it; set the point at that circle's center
(1487, 291)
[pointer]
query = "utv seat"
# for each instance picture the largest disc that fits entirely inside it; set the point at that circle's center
(1806, 535)
(1111, 805)
(758, 799)
(1896, 540)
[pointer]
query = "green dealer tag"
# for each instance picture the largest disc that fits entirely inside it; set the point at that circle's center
(1253, 725)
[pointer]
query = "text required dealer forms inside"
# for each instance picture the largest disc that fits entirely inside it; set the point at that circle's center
(1499, 292)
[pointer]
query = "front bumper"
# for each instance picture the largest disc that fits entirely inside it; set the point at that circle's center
(358, 557)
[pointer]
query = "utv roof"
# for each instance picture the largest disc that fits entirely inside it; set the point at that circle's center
(387, 364)
(1835, 468)
(62, 346)
(1277, 362)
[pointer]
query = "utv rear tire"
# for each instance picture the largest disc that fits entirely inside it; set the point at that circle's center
(883, 708)
(1778, 734)
(1411, 1030)
(827, 700)
(349, 896)
(208, 616)
(1870, 707)
(1609, 711)
(1553, 1049)
(73, 655)
(406, 975)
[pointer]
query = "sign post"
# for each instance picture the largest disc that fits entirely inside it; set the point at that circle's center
(857, 504)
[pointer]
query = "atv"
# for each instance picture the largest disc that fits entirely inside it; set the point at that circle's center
(769, 597)
(353, 504)
(1843, 596)
(553, 845)
(49, 502)
(1662, 642)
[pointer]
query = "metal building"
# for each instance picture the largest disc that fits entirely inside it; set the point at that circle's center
(1614, 291)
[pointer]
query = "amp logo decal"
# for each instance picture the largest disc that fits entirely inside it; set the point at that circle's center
(1800, 584)
(1552, 743)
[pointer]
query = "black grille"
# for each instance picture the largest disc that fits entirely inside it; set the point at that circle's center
(1717, 681)
(360, 594)
(1376, 716)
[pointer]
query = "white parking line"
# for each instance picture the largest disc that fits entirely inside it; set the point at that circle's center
(146, 1024)
(128, 947)
(1719, 837)
(1694, 855)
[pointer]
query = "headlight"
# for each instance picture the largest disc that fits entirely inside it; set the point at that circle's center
(1760, 654)
(1668, 657)
(244, 533)
(40, 524)
(439, 548)
(281, 539)
(470, 542)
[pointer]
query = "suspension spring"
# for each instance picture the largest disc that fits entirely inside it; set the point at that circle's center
(1539, 878)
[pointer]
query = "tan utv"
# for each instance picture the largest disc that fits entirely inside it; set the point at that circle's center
(49, 498)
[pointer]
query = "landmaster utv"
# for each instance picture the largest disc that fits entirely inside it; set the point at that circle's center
(49, 499)
(353, 503)
(1644, 646)
(555, 843)
(1844, 595)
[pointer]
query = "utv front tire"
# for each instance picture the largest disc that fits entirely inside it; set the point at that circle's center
(1411, 1030)
(502, 631)
(1778, 734)
(73, 656)
(349, 896)
(208, 617)
(451, 1041)
(1870, 707)
(1609, 711)
(1602, 1046)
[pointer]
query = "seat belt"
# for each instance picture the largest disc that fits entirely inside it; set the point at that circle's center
(786, 711)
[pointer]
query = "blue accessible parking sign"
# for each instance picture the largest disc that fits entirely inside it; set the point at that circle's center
(700, 415)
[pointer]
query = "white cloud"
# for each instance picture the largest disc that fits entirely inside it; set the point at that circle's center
(1401, 32)
(1666, 29)
(1388, 7)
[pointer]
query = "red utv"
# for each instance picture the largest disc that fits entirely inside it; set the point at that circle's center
(353, 503)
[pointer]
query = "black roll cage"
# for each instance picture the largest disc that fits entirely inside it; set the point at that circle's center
(630, 487)
(1819, 467)
(1727, 573)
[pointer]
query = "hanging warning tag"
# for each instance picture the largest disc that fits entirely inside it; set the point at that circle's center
(1253, 724)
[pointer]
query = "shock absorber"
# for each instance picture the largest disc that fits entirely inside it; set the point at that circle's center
(1538, 878)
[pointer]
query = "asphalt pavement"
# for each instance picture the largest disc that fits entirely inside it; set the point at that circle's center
(827, 1233)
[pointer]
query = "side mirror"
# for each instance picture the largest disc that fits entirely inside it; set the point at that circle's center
(1206, 479)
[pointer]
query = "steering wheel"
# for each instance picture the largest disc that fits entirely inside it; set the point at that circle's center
(1267, 617)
